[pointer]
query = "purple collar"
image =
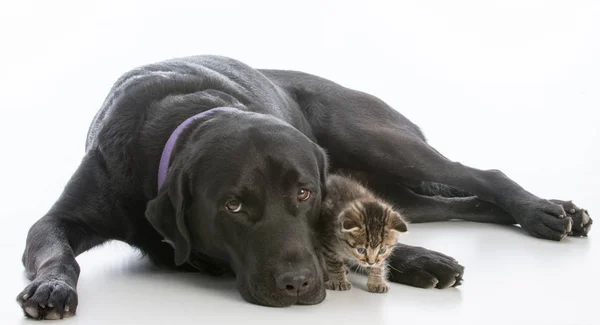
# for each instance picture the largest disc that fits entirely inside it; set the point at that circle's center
(165, 158)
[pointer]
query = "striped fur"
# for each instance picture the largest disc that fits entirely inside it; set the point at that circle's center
(357, 229)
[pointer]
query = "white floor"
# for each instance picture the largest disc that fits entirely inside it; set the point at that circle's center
(509, 279)
(511, 84)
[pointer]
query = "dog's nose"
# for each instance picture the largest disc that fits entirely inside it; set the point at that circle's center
(294, 283)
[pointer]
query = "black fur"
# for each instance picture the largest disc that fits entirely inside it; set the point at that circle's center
(263, 154)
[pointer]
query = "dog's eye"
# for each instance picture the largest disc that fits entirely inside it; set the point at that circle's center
(234, 206)
(303, 194)
(361, 250)
(382, 250)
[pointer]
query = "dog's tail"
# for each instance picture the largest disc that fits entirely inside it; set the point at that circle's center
(437, 189)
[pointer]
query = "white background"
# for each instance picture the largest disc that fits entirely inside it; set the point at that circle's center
(512, 84)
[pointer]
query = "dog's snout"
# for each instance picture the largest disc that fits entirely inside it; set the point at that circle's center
(295, 282)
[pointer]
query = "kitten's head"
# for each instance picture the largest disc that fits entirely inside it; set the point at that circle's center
(370, 229)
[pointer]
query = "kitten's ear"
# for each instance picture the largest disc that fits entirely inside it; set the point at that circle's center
(397, 223)
(350, 222)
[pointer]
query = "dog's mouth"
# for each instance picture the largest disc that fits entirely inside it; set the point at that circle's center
(287, 301)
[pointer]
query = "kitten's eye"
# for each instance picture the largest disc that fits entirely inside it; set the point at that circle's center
(382, 250)
(234, 205)
(361, 250)
(303, 194)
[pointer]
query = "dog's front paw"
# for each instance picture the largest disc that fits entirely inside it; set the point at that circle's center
(377, 287)
(423, 268)
(48, 299)
(338, 285)
(582, 223)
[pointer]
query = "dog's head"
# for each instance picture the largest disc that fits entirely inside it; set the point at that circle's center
(246, 188)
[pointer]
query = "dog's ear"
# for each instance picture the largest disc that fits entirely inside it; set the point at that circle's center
(396, 222)
(167, 213)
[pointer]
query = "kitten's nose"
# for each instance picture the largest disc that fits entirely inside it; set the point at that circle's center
(371, 263)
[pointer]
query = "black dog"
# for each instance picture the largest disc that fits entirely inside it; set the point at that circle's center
(245, 179)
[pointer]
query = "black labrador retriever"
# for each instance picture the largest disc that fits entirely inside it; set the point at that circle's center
(205, 163)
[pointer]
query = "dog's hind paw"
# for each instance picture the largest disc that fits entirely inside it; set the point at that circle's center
(543, 219)
(48, 299)
(582, 223)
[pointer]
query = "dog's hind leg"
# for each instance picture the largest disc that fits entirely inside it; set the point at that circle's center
(361, 132)
(417, 208)
(377, 140)
(396, 154)
(79, 220)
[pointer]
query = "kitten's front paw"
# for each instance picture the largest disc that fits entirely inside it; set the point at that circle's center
(377, 287)
(338, 285)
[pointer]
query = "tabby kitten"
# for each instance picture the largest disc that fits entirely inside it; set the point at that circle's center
(356, 228)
